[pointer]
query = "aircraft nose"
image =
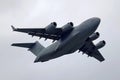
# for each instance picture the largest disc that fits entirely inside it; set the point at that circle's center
(89, 26)
(93, 24)
(96, 21)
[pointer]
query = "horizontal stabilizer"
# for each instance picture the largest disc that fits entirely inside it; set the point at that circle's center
(25, 45)
(35, 48)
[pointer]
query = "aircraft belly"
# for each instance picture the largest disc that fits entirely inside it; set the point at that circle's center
(45, 54)
(73, 43)
(69, 47)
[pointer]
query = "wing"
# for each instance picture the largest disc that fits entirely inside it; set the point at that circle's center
(90, 49)
(40, 32)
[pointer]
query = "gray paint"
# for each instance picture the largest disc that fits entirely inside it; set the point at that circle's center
(16, 63)
(70, 40)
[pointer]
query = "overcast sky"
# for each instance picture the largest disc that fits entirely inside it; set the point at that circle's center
(17, 63)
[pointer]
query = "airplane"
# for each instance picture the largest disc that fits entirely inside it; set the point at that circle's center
(68, 39)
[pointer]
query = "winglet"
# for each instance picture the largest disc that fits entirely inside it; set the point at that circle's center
(13, 28)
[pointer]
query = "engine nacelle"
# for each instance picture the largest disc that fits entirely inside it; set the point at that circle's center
(94, 36)
(100, 44)
(67, 27)
(51, 28)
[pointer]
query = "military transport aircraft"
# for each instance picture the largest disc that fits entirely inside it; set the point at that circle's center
(68, 39)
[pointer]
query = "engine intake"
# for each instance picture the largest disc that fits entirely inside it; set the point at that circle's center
(94, 36)
(51, 28)
(68, 27)
(100, 44)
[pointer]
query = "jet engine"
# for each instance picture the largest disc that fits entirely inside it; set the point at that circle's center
(94, 36)
(51, 28)
(100, 44)
(68, 27)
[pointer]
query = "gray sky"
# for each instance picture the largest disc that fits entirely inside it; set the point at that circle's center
(17, 63)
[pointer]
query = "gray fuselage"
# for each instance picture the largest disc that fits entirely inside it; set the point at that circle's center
(72, 42)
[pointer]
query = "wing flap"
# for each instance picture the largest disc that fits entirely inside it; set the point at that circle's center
(47, 36)
(90, 49)
(97, 55)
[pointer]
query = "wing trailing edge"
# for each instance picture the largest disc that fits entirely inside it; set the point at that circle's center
(40, 32)
(91, 50)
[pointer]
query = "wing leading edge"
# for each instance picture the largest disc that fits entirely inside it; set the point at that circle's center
(40, 32)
